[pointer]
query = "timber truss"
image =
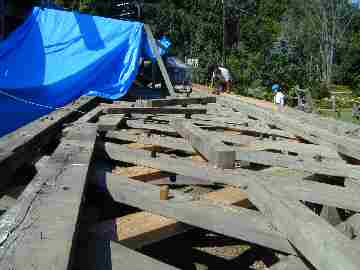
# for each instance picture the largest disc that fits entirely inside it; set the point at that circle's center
(106, 184)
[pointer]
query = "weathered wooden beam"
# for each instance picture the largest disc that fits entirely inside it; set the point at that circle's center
(160, 62)
(290, 263)
(213, 149)
(92, 116)
(23, 145)
(110, 122)
(198, 213)
(153, 139)
(344, 144)
(46, 222)
(316, 239)
(297, 188)
(114, 109)
(179, 101)
(297, 163)
(303, 150)
(334, 126)
(128, 259)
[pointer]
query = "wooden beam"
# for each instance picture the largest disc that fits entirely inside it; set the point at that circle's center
(213, 149)
(110, 122)
(290, 263)
(344, 144)
(92, 116)
(179, 101)
(317, 240)
(267, 158)
(153, 139)
(114, 109)
(334, 126)
(303, 150)
(22, 146)
(47, 222)
(126, 259)
(228, 196)
(197, 213)
(299, 189)
(155, 51)
(338, 169)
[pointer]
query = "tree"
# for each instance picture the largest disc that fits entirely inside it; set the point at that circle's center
(324, 24)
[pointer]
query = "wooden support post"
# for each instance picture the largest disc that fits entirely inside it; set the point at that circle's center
(331, 215)
(164, 193)
(159, 60)
(214, 150)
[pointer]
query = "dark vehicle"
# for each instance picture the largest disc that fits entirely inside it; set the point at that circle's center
(180, 74)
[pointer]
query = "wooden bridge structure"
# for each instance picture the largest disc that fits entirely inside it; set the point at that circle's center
(90, 185)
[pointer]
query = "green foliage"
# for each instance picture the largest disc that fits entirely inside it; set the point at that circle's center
(256, 29)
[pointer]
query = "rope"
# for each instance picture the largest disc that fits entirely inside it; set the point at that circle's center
(2, 92)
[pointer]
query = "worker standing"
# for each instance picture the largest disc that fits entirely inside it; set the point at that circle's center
(279, 97)
(221, 77)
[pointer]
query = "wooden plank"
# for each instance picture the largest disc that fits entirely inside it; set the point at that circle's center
(140, 173)
(229, 196)
(197, 213)
(140, 229)
(160, 62)
(41, 229)
(115, 109)
(299, 189)
(213, 149)
(22, 146)
(317, 240)
(179, 101)
(110, 122)
(126, 259)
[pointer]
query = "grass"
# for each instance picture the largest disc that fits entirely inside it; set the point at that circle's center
(345, 115)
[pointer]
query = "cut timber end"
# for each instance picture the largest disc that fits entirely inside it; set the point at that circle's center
(212, 148)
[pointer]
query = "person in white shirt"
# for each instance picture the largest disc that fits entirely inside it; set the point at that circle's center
(279, 98)
(223, 77)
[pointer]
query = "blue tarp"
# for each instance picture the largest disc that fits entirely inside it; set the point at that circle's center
(56, 56)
